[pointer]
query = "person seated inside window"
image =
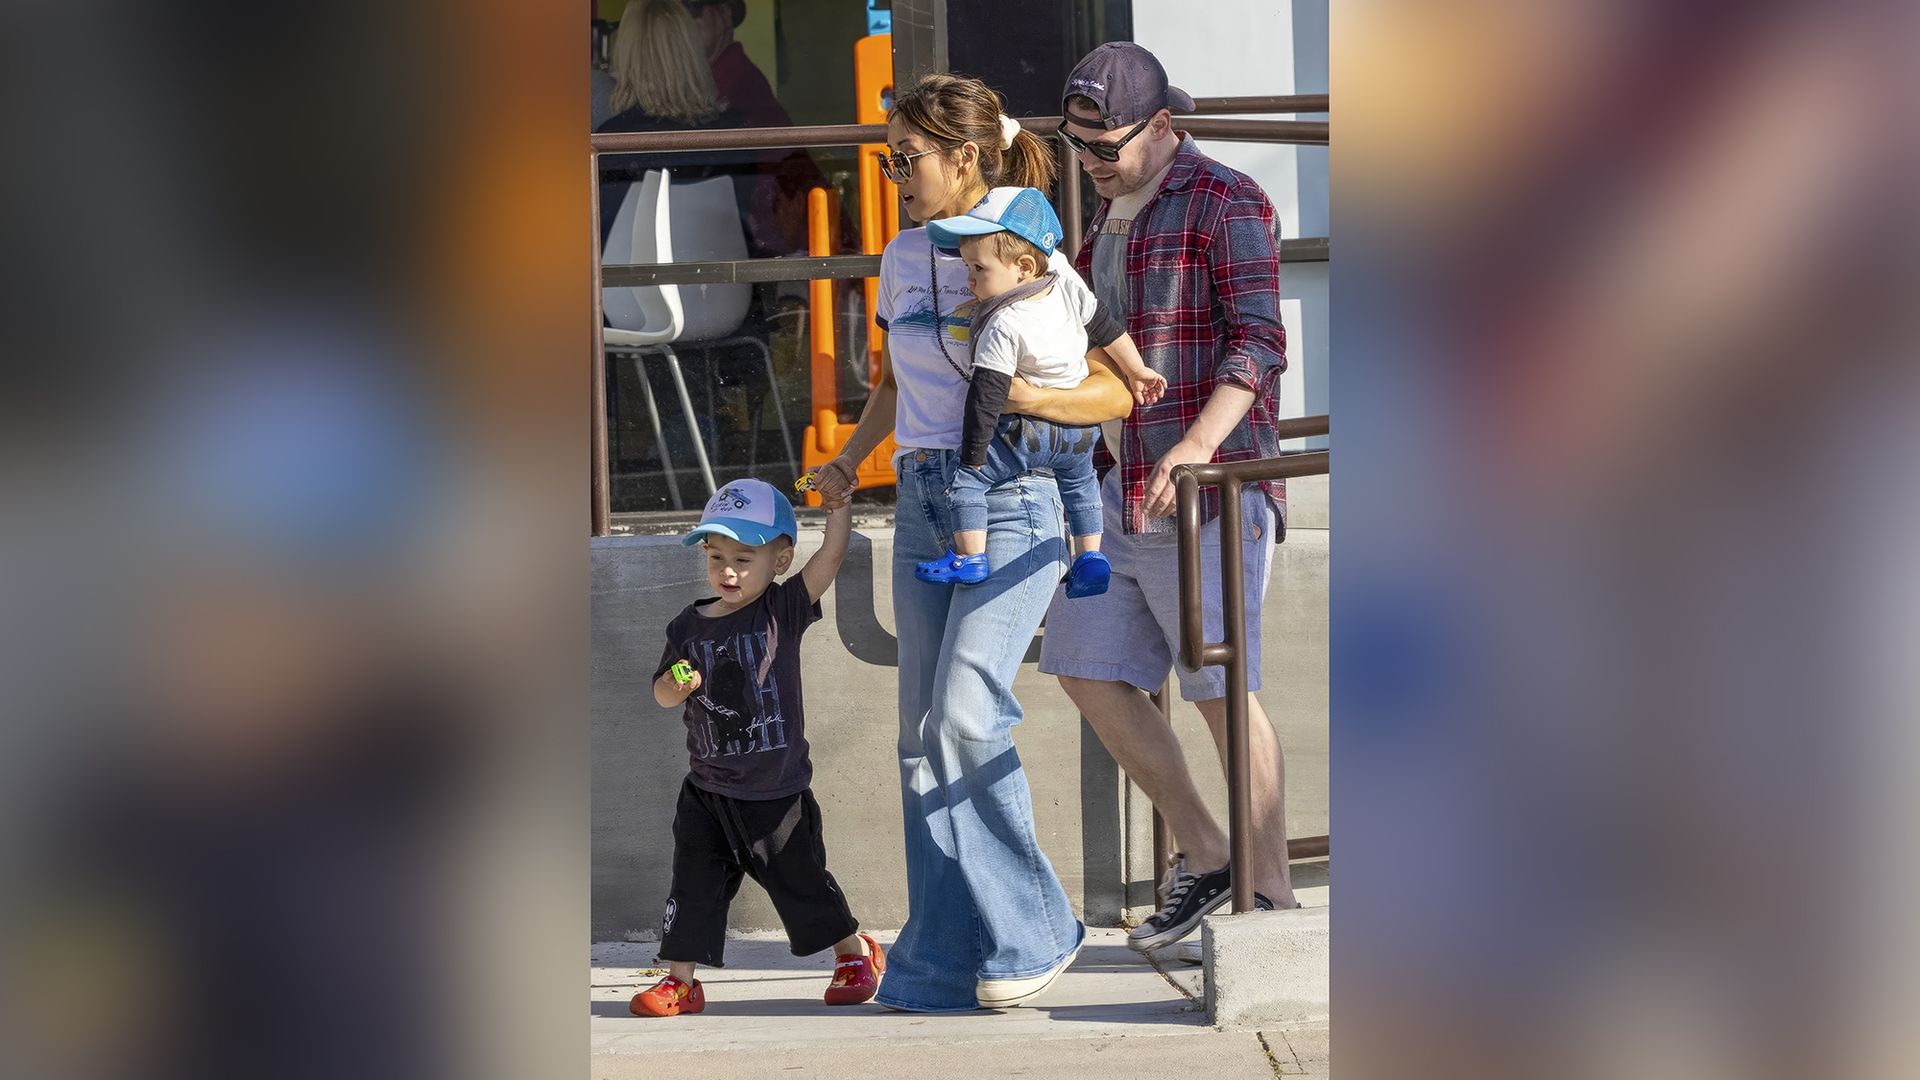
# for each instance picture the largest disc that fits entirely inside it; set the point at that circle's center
(662, 83)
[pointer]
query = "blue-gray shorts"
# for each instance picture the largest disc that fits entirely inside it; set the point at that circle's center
(1131, 633)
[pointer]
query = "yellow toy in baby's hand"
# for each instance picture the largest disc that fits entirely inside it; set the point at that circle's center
(806, 482)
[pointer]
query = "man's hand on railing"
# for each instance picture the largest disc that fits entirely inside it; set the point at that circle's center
(1161, 496)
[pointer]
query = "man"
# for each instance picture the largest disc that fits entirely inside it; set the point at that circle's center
(741, 84)
(1184, 249)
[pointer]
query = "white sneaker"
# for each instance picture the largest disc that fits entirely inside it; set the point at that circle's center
(1007, 993)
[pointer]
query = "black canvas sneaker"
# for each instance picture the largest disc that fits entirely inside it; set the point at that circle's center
(1189, 951)
(1191, 898)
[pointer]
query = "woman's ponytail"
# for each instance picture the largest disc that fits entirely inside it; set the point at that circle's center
(1029, 162)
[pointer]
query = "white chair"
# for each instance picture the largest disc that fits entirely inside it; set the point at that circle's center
(661, 222)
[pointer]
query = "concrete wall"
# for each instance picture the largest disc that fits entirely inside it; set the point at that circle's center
(1091, 825)
(1256, 47)
(1251, 47)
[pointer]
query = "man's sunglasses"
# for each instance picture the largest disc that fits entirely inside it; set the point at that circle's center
(1105, 151)
(898, 167)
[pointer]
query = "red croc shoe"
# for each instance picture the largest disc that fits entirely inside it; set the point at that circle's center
(857, 978)
(669, 997)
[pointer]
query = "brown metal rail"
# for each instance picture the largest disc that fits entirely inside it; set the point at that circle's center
(1196, 652)
(1276, 103)
(810, 268)
(1298, 847)
(600, 491)
(1304, 132)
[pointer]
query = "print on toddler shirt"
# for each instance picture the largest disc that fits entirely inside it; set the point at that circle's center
(742, 705)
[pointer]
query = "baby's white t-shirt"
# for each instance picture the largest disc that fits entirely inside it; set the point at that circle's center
(1042, 339)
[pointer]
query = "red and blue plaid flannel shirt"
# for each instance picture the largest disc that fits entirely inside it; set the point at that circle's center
(1203, 306)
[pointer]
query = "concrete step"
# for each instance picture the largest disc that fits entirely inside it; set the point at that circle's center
(1267, 968)
(1112, 1014)
(1236, 1055)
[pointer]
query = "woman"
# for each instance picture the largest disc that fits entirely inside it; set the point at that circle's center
(988, 924)
(662, 83)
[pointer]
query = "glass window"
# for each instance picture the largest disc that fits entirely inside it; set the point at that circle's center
(730, 395)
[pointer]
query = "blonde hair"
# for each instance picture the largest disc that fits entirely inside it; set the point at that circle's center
(657, 66)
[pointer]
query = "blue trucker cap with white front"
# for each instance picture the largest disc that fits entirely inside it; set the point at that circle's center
(1022, 211)
(750, 511)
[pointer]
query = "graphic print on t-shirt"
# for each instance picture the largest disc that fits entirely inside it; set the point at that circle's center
(915, 319)
(742, 708)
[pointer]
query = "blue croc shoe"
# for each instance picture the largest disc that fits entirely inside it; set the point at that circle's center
(954, 569)
(1089, 575)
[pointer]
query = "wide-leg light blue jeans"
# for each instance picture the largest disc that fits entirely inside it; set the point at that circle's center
(982, 900)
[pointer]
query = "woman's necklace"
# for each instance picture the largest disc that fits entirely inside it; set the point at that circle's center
(939, 328)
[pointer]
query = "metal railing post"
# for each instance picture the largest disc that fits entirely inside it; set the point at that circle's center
(1233, 613)
(1196, 652)
(1163, 838)
(600, 503)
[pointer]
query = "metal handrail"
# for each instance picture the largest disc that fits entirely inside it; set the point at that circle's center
(1265, 103)
(851, 134)
(814, 267)
(1196, 652)
(1303, 132)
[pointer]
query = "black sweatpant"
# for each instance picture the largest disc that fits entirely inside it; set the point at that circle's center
(777, 842)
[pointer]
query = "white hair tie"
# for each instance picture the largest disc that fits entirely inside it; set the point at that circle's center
(1009, 128)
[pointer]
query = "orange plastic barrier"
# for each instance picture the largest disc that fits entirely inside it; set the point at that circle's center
(825, 363)
(879, 206)
(879, 223)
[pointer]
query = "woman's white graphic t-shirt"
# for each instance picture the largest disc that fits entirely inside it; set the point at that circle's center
(932, 395)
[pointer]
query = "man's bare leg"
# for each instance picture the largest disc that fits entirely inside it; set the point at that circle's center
(1143, 744)
(1268, 771)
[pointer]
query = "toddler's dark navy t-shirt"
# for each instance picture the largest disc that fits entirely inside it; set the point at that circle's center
(746, 733)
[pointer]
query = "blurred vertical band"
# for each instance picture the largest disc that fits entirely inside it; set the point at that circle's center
(1623, 612)
(296, 623)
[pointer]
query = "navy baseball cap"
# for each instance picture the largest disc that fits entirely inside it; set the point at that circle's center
(1022, 211)
(1126, 83)
(749, 511)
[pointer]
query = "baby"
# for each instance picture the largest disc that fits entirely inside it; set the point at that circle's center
(1028, 321)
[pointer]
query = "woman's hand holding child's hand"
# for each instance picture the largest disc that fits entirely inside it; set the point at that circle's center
(835, 480)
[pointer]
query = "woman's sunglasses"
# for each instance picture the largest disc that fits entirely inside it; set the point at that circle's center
(898, 167)
(1105, 151)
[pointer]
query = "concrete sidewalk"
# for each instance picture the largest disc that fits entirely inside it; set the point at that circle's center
(1113, 1014)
